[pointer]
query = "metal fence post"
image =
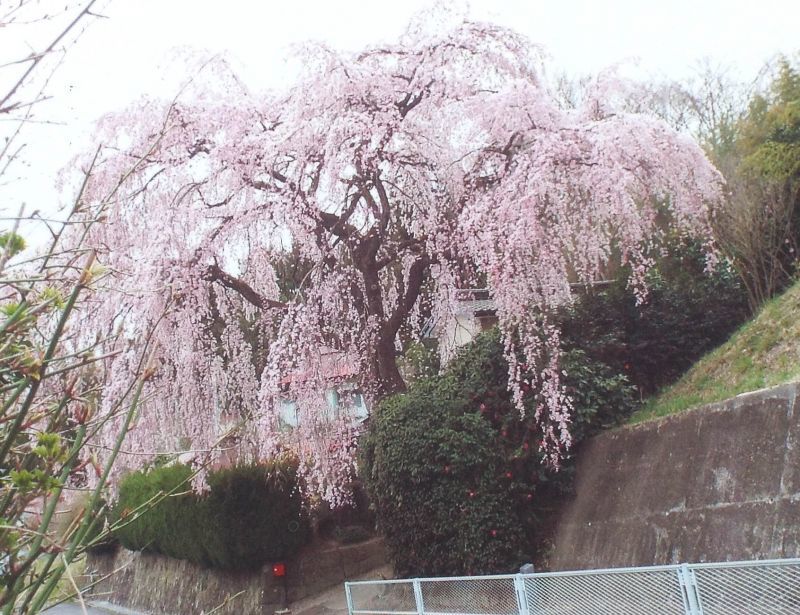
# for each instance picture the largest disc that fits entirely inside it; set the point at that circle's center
(418, 597)
(349, 598)
(522, 597)
(689, 587)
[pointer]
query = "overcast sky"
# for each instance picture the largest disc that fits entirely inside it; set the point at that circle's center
(132, 52)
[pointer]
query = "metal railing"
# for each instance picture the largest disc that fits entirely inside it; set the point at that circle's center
(734, 588)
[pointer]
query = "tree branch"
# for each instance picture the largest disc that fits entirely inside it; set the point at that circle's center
(37, 58)
(337, 225)
(416, 278)
(215, 274)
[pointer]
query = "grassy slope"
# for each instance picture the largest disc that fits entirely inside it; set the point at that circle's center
(763, 352)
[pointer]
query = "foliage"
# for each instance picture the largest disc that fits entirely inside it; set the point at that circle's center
(49, 418)
(351, 534)
(759, 226)
(51, 482)
(602, 395)
(331, 522)
(337, 214)
(420, 360)
(455, 473)
(251, 514)
(11, 244)
(434, 478)
(256, 514)
(687, 312)
(751, 132)
(100, 539)
(769, 138)
(153, 507)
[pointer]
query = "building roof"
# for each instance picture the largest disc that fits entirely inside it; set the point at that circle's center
(471, 301)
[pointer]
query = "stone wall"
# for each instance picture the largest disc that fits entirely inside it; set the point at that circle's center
(158, 584)
(718, 483)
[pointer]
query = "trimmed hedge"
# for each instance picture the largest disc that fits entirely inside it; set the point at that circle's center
(454, 472)
(252, 514)
(255, 514)
(146, 501)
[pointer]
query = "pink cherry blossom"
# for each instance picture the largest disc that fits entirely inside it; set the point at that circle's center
(395, 176)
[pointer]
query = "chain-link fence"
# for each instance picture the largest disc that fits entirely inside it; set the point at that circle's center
(738, 588)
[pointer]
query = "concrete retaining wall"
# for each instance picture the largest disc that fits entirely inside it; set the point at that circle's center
(158, 584)
(718, 483)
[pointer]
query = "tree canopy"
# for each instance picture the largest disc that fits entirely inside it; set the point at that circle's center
(758, 229)
(384, 180)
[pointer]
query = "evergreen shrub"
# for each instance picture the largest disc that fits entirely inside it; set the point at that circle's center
(251, 514)
(142, 525)
(453, 470)
(255, 514)
(435, 480)
(351, 534)
(687, 312)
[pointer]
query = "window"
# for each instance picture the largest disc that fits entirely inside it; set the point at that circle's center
(352, 402)
(344, 402)
(287, 414)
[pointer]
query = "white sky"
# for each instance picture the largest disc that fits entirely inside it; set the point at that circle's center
(130, 54)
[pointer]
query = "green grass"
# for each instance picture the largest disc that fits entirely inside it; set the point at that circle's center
(764, 352)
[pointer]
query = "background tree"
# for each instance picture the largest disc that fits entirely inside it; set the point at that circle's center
(760, 226)
(439, 161)
(688, 312)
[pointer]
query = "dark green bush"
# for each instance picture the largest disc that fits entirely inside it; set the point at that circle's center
(452, 459)
(182, 527)
(144, 506)
(251, 515)
(602, 396)
(687, 313)
(255, 514)
(99, 538)
(453, 470)
(330, 522)
(435, 480)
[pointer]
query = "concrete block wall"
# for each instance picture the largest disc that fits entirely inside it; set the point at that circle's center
(718, 483)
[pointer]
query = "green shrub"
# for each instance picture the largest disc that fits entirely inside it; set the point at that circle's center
(351, 534)
(687, 313)
(155, 528)
(255, 514)
(454, 472)
(183, 525)
(434, 478)
(251, 514)
(330, 522)
(420, 360)
(601, 395)
(99, 538)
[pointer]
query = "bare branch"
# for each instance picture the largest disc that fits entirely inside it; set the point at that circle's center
(215, 274)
